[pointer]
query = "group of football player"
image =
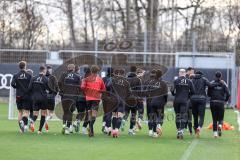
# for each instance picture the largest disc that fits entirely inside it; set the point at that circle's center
(124, 93)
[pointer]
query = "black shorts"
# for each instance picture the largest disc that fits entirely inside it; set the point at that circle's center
(81, 106)
(119, 107)
(40, 104)
(93, 105)
(51, 104)
(23, 103)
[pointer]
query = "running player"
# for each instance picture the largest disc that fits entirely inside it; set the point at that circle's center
(140, 104)
(53, 84)
(93, 86)
(106, 127)
(135, 84)
(219, 94)
(80, 103)
(30, 100)
(87, 73)
(189, 75)
(69, 91)
(182, 90)
(157, 95)
(198, 101)
(121, 88)
(39, 89)
(20, 82)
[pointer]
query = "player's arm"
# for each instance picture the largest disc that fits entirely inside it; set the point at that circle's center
(103, 87)
(30, 85)
(173, 88)
(13, 83)
(192, 89)
(227, 92)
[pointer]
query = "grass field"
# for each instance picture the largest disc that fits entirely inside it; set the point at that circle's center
(55, 146)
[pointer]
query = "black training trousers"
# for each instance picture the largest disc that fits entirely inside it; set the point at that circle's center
(68, 106)
(181, 114)
(198, 110)
(217, 109)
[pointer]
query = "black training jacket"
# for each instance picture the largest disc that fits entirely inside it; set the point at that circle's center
(53, 84)
(69, 84)
(120, 86)
(182, 89)
(156, 91)
(39, 87)
(220, 91)
(200, 84)
(20, 82)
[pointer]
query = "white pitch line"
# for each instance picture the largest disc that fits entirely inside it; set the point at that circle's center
(189, 150)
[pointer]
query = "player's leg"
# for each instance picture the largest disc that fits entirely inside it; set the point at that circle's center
(160, 119)
(201, 113)
(50, 112)
(195, 115)
(149, 116)
(20, 113)
(183, 118)
(42, 120)
(213, 108)
(108, 122)
(85, 124)
(140, 110)
(25, 112)
(176, 107)
(133, 110)
(125, 117)
(221, 111)
(94, 112)
(118, 114)
(35, 115)
(189, 121)
(67, 115)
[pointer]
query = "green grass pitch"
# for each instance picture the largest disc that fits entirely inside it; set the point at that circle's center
(55, 146)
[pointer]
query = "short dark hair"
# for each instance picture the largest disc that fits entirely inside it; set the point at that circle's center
(22, 64)
(199, 72)
(133, 69)
(95, 69)
(218, 74)
(189, 69)
(77, 68)
(119, 71)
(110, 71)
(42, 68)
(159, 73)
(49, 67)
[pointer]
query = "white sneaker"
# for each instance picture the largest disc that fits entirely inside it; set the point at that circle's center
(25, 128)
(155, 135)
(67, 132)
(150, 133)
(84, 131)
(131, 132)
(71, 129)
(215, 134)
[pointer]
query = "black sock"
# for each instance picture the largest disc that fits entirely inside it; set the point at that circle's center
(92, 123)
(119, 121)
(108, 120)
(85, 124)
(69, 123)
(25, 120)
(132, 123)
(154, 124)
(42, 121)
(34, 118)
(114, 122)
(150, 125)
